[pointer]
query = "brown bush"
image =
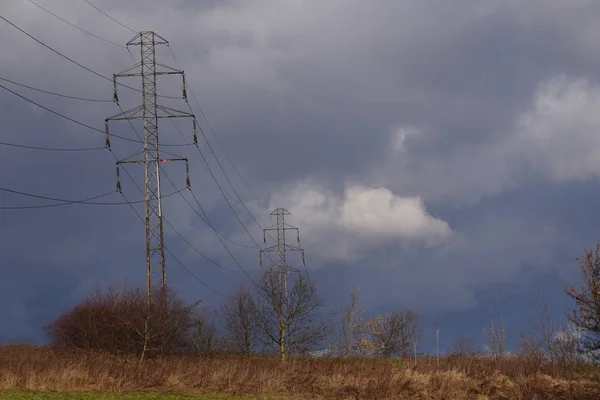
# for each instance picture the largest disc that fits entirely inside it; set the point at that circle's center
(122, 322)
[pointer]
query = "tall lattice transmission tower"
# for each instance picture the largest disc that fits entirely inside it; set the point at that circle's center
(282, 247)
(150, 111)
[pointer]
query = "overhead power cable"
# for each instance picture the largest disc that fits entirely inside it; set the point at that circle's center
(137, 134)
(230, 205)
(263, 203)
(204, 162)
(75, 26)
(228, 180)
(242, 269)
(22, 146)
(65, 117)
(169, 251)
(225, 197)
(204, 217)
(201, 159)
(79, 122)
(211, 225)
(227, 200)
(56, 94)
(220, 165)
(196, 249)
(172, 227)
(63, 202)
(75, 62)
(120, 23)
(194, 275)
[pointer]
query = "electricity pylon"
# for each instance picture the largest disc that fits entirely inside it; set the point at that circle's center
(150, 112)
(282, 248)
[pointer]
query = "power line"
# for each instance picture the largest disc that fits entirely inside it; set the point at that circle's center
(225, 197)
(218, 236)
(229, 251)
(219, 163)
(230, 205)
(201, 159)
(75, 26)
(194, 275)
(75, 62)
(223, 192)
(262, 202)
(148, 112)
(90, 127)
(169, 251)
(227, 200)
(144, 222)
(196, 249)
(76, 121)
(73, 97)
(212, 226)
(64, 202)
(56, 94)
(123, 25)
(204, 216)
(22, 146)
(216, 137)
(58, 52)
(206, 220)
(64, 116)
(228, 180)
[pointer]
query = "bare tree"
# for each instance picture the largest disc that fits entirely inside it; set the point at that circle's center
(463, 347)
(541, 341)
(286, 321)
(587, 299)
(204, 333)
(395, 333)
(163, 325)
(567, 341)
(550, 341)
(496, 338)
(238, 314)
(351, 325)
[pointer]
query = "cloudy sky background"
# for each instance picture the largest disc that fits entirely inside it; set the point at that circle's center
(443, 156)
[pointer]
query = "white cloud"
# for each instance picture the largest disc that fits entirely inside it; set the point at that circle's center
(560, 133)
(343, 227)
(399, 137)
(556, 138)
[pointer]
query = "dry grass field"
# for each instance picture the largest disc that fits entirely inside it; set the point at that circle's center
(39, 395)
(44, 370)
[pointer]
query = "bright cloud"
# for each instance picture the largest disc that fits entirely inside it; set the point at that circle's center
(399, 137)
(341, 227)
(559, 134)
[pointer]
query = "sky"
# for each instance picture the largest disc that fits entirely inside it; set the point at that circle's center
(444, 156)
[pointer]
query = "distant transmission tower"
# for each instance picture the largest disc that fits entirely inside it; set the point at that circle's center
(283, 269)
(150, 112)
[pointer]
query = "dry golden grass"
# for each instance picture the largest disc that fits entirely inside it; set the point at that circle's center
(30, 368)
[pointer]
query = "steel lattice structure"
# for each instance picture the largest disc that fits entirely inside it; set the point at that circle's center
(150, 112)
(282, 247)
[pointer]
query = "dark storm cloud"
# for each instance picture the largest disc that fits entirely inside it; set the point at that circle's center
(310, 94)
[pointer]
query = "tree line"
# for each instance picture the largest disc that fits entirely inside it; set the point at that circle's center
(267, 320)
